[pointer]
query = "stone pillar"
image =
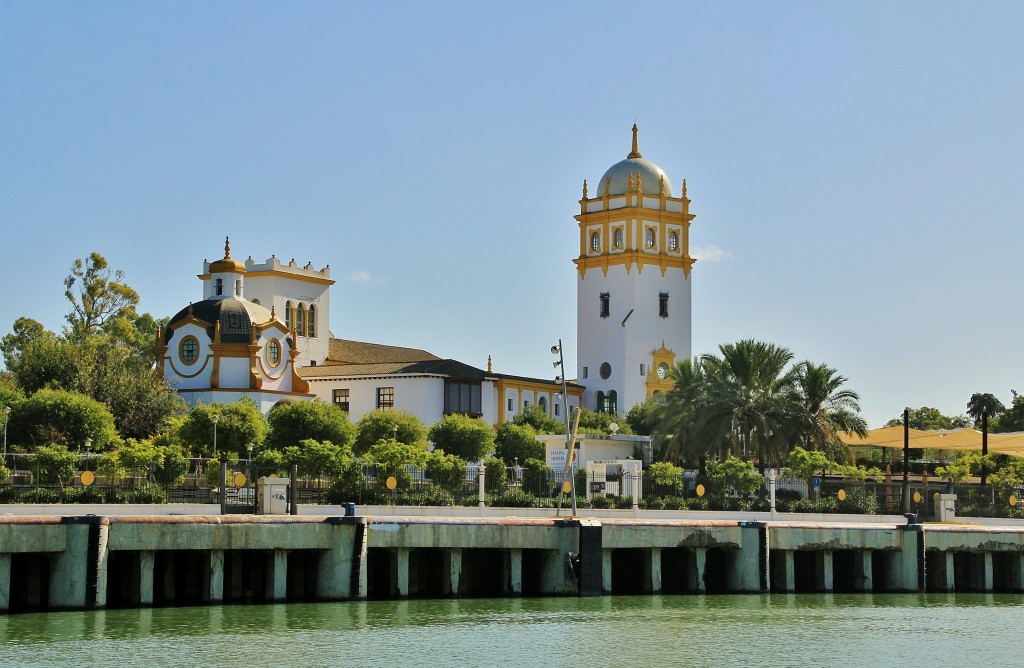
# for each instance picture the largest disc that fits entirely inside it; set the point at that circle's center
(280, 568)
(789, 571)
(697, 574)
(216, 576)
(453, 560)
(402, 572)
(950, 574)
(5, 582)
(866, 575)
(146, 561)
(987, 577)
(606, 571)
(655, 568)
(515, 568)
(825, 576)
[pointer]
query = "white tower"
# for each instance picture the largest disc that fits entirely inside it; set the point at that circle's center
(633, 292)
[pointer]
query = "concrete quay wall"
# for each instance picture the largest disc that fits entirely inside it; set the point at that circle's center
(97, 561)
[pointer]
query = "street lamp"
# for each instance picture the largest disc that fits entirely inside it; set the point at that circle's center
(7, 414)
(215, 419)
(560, 364)
(248, 449)
(88, 444)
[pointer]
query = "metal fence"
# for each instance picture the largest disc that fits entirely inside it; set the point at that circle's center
(197, 481)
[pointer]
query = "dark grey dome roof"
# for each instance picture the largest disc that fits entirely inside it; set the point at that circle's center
(236, 317)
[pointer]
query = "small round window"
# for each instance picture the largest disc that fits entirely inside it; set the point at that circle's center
(595, 242)
(189, 350)
(673, 241)
(606, 370)
(274, 352)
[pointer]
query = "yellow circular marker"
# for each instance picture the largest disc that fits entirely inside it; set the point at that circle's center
(566, 487)
(841, 495)
(917, 497)
(392, 482)
(238, 479)
(700, 490)
(1012, 500)
(88, 478)
(272, 475)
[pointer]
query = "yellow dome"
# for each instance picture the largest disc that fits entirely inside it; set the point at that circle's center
(227, 265)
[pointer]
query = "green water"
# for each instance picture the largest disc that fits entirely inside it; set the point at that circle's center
(756, 630)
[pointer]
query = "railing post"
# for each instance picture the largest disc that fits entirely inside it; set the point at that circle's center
(480, 481)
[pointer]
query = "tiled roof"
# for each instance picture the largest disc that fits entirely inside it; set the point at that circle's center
(435, 367)
(344, 351)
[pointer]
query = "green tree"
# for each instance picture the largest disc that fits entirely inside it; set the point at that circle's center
(642, 419)
(593, 422)
(517, 441)
(61, 417)
(98, 295)
(535, 417)
(1012, 418)
(38, 358)
(665, 474)
(965, 466)
(470, 438)
(447, 471)
(929, 418)
(381, 425)
(56, 464)
(679, 413)
(805, 464)
(986, 403)
(828, 410)
(238, 423)
(316, 458)
(395, 458)
(308, 420)
(737, 475)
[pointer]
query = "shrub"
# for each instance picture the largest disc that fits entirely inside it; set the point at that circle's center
(496, 475)
(515, 498)
(437, 496)
(738, 475)
(448, 471)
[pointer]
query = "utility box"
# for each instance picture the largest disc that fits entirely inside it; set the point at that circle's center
(945, 507)
(273, 496)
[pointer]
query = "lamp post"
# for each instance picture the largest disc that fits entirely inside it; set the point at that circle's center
(906, 460)
(7, 414)
(560, 364)
(215, 419)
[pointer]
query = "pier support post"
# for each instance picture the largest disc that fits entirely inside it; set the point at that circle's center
(280, 575)
(146, 561)
(654, 566)
(5, 582)
(865, 576)
(453, 560)
(789, 570)
(987, 577)
(700, 564)
(216, 576)
(826, 574)
(515, 570)
(606, 571)
(402, 574)
(950, 571)
(1018, 573)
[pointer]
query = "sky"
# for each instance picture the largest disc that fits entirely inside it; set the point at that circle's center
(851, 166)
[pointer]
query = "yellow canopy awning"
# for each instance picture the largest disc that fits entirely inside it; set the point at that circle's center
(943, 439)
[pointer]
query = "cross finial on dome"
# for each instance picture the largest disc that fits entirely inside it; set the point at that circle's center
(635, 153)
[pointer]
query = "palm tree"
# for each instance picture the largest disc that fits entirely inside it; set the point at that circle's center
(984, 403)
(751, 401)
(676, 410)
(828, 410)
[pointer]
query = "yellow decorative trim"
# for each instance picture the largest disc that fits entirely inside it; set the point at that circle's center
(270, 345)
(660, 356)
(180, 373)
(243, 391)
(280, 274)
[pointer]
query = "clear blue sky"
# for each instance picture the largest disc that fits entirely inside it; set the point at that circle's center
(852, 167)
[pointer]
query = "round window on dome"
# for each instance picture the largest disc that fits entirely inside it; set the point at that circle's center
(188, 350)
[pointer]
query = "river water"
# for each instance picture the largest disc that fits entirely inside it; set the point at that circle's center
(748, 630)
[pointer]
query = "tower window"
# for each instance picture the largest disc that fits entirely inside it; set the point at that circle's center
(385, 398)
(543, 403)
(511, 405)
(618, 238)
(595, 242)
(300, 320)
(604, 305)
(673, 241)
(311, 323)
(288, 315)
(218, 287)
(341, 399)
(238, 287)
(586, 371)
(555, 406)
(606, 370)
(641, 369)
(650, 237)
(663, 304)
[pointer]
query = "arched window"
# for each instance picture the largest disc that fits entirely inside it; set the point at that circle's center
(300, 320)
(618, 238)
(612, 403)
(595, 242)
(218, 288)
(543, 403)
(673, 241)
(311, 324)
(650, 237)
(600, 402)
(288, 315)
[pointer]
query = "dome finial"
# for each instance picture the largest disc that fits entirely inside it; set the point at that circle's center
(584, 189)
(227, 248)
(635, 153)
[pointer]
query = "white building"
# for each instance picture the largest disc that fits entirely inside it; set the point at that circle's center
(633, 287)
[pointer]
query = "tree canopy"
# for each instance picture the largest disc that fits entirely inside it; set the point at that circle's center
(238, 424)
(290, 424)
(382, 425)
(470, 438)
(929, 418)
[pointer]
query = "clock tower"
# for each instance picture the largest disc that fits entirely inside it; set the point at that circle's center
(633, 284)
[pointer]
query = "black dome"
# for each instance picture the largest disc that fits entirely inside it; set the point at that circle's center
(236, 317)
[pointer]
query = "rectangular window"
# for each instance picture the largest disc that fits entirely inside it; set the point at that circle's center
(341, 399)
(511, 405)
(526, 404)
(556, 410)
(604, 305)
(385, 397)
(663, 304)
(586, 371)
(641, 369)
(462, 397)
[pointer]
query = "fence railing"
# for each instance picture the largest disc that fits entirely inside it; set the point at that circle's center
(87, 479)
